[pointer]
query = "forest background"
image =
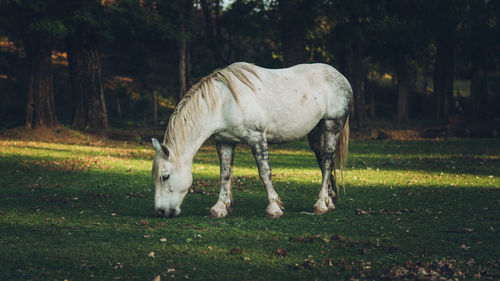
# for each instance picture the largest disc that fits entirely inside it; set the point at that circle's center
(103, 64)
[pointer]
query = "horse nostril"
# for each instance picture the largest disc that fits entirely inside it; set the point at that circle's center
(171, 213)
(162, 213)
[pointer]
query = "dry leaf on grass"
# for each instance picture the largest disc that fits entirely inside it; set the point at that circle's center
(236, 251)
(281, 252)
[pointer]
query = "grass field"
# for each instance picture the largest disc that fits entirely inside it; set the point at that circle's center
(412, 210)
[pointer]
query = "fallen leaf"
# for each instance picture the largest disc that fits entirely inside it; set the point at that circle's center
(236, 251)
(157, 278)
(338, 238)
(152, 254)
(464, 247)
(281, 252)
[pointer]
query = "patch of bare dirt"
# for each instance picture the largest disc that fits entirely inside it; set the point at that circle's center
(112, 137)
(54, 135)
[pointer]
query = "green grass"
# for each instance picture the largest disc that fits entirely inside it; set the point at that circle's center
(86, 212)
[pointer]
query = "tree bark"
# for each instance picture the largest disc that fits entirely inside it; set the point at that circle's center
(479, 52)
(2, 107)
(118, 107)
(155, 107)
(293, 33)
(479, 86)
(403, 89)
(357, 82)
(40, 109)
(182, 64)
(443, 78)
(85, 67)
(184, 54)
(213, 39)
(351, 64)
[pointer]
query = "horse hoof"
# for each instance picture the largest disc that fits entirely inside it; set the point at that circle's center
(274, 210)
(217, 215)
(320, 209)
(214, 213)
(323, 206)
(274, 216)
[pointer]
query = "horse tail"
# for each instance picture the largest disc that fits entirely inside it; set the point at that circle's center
(341, 151)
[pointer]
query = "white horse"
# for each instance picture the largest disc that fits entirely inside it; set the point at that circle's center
(257, 106)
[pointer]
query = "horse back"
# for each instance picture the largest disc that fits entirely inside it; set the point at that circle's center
(288, 103)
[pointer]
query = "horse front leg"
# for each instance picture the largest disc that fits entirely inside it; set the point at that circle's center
(261, 155)
(225, 201)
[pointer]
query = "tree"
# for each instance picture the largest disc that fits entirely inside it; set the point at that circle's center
(214, 39)
(481, 34)
(296, 18)
(445, 18)
(40, 109)
(253, 32)
(87, 23)
(35, 23)
(183, 45)
(352, 18)
(397, 40)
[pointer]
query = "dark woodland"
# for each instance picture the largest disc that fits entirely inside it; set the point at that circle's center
(103, 64)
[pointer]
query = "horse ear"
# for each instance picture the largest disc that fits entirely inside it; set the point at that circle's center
(156, 144)
(164, 149)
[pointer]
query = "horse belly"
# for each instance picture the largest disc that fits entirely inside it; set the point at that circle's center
(293, 119)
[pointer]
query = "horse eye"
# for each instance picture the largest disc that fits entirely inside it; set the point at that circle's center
(165, 178)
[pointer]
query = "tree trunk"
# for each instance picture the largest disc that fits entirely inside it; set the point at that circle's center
(40, 109)
(2, 107)
(443, 78)
(85, 67)
(155, 107)
(182, 64)
(351, 63)
(357, 83)
(184, 56)
(293, 34)
(189, 80)
(118, 107)
(371, 106)
(403, 89)
(213, 40)
(478, 86)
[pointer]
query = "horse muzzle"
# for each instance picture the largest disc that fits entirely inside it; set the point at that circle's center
(167, 213)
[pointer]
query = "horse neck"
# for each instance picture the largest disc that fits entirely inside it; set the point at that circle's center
(203, 128)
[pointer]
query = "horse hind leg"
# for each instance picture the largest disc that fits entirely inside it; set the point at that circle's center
(316, 142)
(330, 131)
(225, 201)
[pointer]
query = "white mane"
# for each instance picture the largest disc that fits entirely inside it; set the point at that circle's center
(191, 107)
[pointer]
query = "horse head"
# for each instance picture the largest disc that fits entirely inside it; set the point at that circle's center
(172, 182)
